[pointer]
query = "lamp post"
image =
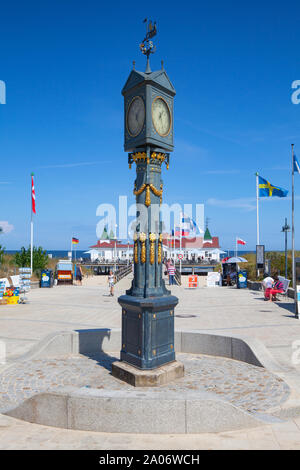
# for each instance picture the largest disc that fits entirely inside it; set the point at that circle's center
(116, 248)
(285, 229)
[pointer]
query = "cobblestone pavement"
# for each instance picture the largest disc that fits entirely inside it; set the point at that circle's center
(251, 388)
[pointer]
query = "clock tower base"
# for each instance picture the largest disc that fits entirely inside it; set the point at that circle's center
(148, 331)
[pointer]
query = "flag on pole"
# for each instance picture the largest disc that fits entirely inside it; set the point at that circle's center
(32, 194)
(75, 241)
(266, 189)
(240, 241)
(296, 165)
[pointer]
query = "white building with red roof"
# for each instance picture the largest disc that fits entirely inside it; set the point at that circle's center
(108, 248)
(198, 248)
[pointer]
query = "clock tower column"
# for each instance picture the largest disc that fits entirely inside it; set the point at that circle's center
(148, 307)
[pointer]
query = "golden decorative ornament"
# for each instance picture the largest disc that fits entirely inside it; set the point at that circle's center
(159, 251)
(136, 258)
(148, 187)
(147, 198)
(143, 238)
(152, 238)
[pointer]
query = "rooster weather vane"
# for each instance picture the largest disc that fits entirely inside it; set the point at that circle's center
(147, 46)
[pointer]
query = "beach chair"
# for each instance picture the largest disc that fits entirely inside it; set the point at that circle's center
(15, 280)
(286, 284)
(2, 289)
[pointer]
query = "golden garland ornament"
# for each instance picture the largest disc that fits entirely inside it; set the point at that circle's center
(159, 252)
(143, 238)
(154, 157)
(136, 258)
(152, 238)
(148, 187)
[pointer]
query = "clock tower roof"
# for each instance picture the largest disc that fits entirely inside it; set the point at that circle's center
(158, 78)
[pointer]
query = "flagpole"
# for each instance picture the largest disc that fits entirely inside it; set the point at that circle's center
(174, 250)
(293, 234)
(236, 247)
(31, 241)
(257, 217)
(31, 229)
(257, 209)
(71, 250)
(180, 235)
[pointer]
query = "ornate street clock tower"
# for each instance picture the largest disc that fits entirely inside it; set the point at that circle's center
(148, 307)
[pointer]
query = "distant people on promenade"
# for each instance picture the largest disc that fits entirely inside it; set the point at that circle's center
(276, 289)
(267, 285)
(111, 283)
(171, 273)
(79, 275)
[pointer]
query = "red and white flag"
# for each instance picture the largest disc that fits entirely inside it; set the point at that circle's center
(239, 241)
(32, 195)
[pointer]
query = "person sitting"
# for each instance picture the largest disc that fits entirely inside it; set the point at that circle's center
(276, 289)
(267, 285)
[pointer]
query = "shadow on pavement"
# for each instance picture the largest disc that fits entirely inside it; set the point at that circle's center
(90, 345)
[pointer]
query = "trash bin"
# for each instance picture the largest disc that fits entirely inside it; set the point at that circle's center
(242, 280)
(47, 278)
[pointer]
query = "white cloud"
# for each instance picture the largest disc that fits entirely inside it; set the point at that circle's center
(5, 227)
(72, 165)
(247, 204)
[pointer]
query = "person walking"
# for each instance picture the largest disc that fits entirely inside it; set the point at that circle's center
(171, 272)
(79, 275)
(111, 282)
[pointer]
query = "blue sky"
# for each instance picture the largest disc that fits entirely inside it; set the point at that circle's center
(64, 64)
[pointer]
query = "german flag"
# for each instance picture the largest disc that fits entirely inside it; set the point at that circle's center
(75, 241)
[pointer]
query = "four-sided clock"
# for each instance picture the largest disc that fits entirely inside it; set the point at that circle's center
(148, 113)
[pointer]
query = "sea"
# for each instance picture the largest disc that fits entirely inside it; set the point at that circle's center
(60, 254)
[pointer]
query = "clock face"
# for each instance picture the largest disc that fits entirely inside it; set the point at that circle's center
(135, 116)
(161, 116)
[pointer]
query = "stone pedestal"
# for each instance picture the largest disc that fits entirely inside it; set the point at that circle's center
(148, 378)
(147, 331)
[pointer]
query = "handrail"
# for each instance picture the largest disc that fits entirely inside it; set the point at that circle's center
(178, 277)
(120, 273)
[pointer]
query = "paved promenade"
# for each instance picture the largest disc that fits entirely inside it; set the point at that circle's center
(222, 311)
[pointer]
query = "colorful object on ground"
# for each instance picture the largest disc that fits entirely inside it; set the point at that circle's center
(32, 194)
(75, 241)
(11, 295)
(266, 189)
(193, 282)
(240, 241)
(296, 165)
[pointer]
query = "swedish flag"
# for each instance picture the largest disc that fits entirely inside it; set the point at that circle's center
(266, 189)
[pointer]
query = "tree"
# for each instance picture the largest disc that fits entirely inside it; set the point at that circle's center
(39, 258)
(2, 250)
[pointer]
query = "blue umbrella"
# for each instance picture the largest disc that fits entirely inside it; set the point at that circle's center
(236, 259)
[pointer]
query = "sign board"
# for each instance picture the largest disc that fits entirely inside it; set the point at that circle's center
(297, 297)
(64, 276)
(260, 256)
(213, 280)
(180, 256)
(193, 282)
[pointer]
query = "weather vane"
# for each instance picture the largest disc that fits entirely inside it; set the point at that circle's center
(147, 46)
